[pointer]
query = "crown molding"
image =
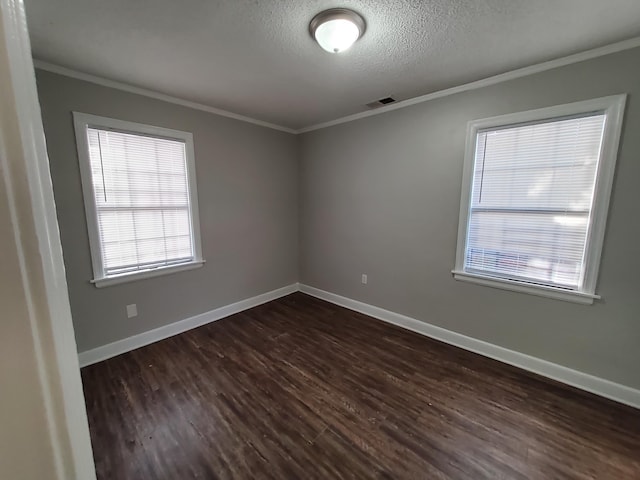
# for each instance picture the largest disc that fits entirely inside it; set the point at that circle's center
(485, 82)
(67, 72)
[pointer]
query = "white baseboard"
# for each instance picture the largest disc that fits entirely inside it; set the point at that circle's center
(599, 386)
(583, 381)
(136, 341)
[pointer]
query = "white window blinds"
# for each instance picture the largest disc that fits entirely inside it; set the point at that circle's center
(531, 200)
(141, 191)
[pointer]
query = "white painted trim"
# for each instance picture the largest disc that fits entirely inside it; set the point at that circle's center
(613, 109)
(43, 271)
(119, 347)
(524, 287)
(67, 72)
(83, 121)
(485, 82)
(599, 386)
(144, 274)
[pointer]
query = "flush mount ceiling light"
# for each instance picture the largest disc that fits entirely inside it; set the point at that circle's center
(336, 29)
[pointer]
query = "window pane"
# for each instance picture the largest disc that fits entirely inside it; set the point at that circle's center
(142, 200)
(546, 248)
(531, 200)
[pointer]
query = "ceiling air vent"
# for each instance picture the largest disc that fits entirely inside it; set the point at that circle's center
(381, 103)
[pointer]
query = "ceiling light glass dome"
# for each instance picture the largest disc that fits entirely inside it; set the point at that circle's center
(337, 29)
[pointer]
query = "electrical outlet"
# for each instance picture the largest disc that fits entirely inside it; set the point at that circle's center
(364, 279)
(132, 310)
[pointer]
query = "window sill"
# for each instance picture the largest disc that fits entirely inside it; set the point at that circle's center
(156, 272)
(522, 287)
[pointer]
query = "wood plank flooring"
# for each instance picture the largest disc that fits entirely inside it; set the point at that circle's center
(302, 389)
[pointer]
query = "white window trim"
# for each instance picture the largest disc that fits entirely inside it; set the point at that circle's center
(613, 107)
(81, 122)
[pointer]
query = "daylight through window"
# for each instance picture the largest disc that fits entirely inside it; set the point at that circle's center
(533, 212)
(141, 201)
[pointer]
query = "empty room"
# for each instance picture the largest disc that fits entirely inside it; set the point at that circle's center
(320, 240)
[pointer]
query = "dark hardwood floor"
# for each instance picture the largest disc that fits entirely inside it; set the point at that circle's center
(302, 389)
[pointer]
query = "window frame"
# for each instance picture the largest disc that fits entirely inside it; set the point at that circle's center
(82, 122)
(613, 109)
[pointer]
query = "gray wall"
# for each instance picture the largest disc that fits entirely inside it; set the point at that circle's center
(381, 196)
(248, 199)
(378, 196)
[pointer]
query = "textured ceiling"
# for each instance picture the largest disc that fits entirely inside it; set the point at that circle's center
(256, 58)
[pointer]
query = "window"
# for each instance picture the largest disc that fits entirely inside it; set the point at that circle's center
(140, 198)
(535, 196)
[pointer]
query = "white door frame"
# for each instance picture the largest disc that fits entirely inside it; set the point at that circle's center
(40, 254)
